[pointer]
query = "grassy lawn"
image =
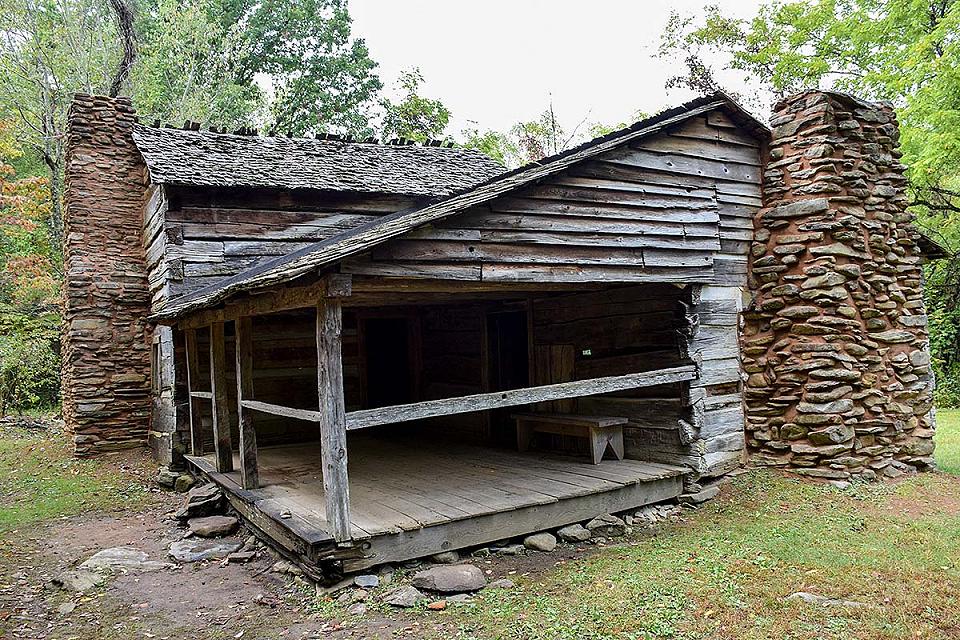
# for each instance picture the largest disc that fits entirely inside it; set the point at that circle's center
(722, 573)
(948, 440)
(725, 573)
(40, 481)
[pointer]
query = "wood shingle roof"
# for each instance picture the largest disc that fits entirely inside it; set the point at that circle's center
(204, 158)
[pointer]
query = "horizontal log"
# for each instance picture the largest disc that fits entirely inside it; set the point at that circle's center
(205, 395)
(700, 129)
(686, 146)
(280, 410)
(680, 211)
(587, 273)
(274, 301)
(684, 165)
(516, 397)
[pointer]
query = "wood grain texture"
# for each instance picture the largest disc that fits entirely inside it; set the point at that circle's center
(193, 375)
(516, 397)
(617, 146)
(221, 411)
(333, 428)
(248, 432)
(412, 499)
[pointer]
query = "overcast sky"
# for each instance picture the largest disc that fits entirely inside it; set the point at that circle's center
(497, 62)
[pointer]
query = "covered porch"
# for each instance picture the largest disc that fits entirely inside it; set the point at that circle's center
(360, 423)
(411, 499)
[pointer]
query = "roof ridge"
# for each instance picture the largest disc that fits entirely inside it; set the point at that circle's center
(253, 132)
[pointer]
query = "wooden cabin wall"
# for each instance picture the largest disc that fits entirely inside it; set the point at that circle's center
(676, 207)
(285, 373)
(452, 363)
(615, 332)
(196, 236)
(712, 440)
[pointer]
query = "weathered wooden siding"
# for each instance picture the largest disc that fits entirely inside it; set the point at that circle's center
(615, 332)
(677, 207)
(712, 440)
(195, 237)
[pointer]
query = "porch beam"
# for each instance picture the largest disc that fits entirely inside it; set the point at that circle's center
(515, 397)
(482, 401)
(279, 410)
(334, 285)
(193, 371)
(221, 411)
(249, 473)
(333, 427)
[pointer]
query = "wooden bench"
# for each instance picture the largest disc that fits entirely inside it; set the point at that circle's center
(600, 431)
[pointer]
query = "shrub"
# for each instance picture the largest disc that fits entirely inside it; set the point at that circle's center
(29, 372)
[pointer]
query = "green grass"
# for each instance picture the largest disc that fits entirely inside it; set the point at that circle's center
(726, 573)
(948, 440)
(40, 481)
(722, 574)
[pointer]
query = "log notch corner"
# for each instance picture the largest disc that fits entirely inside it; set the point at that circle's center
(835, 342)
(106, 338)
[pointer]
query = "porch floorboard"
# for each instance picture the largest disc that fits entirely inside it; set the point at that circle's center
(412, 498)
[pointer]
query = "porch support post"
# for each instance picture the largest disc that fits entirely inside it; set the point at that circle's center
(221, 410)
(193, 370)
(249, 474)
(333, 424)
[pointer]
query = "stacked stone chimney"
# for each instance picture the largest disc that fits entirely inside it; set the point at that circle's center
(835, 342)
(106, 349)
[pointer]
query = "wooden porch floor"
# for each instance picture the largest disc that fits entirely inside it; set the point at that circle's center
(410, 499)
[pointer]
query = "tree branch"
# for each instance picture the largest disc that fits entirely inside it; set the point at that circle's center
(124, 17)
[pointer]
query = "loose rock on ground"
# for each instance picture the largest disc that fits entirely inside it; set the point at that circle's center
(404, 597)
(540, 542)
(212, 526)
(608, 526)
(455, 578)
(574, 533)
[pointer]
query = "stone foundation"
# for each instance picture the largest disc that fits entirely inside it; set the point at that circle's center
(106, 340)
(835, 344)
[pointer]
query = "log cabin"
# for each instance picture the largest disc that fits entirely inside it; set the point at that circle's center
(384, 351)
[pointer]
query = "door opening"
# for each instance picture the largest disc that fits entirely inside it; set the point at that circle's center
(387, 360)
(508, 367)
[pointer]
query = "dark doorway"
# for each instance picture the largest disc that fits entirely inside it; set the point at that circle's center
(387, 346)
(509, 367)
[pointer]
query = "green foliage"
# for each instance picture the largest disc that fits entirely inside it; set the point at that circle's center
(30, 268)
(28, 372)
(528, 141)
(598, 129)
(322, 79)
(904, 51)
(726, 569)
(415, 117)
(941, 292)
(49, 50)
(289, 66)
(497, 145)
(542, 137)
(187, 66)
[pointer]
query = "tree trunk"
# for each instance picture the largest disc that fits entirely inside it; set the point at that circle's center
(124, 15)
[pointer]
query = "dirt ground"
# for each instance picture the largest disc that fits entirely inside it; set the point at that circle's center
(723, 571)
(198, 600)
